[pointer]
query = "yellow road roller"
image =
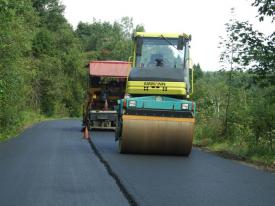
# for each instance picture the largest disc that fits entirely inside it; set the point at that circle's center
(156, 115)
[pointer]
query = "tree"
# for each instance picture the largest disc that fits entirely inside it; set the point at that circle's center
(228, 58)
(254, 51)
(17, 27)
(103, 40)
(139, 28)
(265, 8)
(58, 62)
(250, 51)
(198, 73)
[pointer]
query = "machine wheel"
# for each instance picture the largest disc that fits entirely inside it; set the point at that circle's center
(156, 135)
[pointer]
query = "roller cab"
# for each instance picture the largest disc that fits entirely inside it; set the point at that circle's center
(156, 116)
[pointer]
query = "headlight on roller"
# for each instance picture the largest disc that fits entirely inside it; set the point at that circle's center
(184, 106)
(132, 103)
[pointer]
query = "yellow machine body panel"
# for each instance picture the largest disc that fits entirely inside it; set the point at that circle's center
(156, 88)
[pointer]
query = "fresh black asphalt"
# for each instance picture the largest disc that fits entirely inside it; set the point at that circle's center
(50, 164)
(200, 179)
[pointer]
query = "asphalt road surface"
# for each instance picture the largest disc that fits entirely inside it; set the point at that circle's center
(50, 164)
(201, 179)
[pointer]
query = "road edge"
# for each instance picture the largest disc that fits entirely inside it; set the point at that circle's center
(241, 160)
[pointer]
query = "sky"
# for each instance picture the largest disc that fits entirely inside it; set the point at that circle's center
(203, 19)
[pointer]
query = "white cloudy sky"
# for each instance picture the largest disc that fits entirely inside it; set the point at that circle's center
(203, 19)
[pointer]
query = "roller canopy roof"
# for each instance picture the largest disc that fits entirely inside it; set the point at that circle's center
(119, 69)
(165, 35)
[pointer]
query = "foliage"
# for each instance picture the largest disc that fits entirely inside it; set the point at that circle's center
(40, 62)
(238, 102)
(106, 41)
(265, 8)
(254, 51)
(42, 59)
(250, 118)
(17, 27)
(198, 73)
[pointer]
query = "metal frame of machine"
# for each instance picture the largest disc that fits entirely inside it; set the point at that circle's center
(99, 113)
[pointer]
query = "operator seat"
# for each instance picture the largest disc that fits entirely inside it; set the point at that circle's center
(156, 60)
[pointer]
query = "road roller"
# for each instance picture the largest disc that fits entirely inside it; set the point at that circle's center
(156, 116)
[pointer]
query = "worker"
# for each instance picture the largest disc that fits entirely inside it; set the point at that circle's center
(156, 60)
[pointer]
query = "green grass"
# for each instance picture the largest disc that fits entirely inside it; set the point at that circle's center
(258, 156)
(208, 136)
(231, 148)
(29, 119)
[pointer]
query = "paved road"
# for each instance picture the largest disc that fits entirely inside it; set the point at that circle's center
(202, 179)
(50, 164)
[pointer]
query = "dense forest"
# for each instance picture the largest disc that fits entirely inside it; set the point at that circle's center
(42, 59)
(43, 74)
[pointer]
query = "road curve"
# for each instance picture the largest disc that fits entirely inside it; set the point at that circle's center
(201, 179)
(50, 164)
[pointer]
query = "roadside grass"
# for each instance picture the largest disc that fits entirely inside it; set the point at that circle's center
(257, 155)
(28, 119)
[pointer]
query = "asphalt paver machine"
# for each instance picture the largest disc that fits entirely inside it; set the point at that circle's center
(106, 85)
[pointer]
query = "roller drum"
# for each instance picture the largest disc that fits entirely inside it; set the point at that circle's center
(156, 135)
